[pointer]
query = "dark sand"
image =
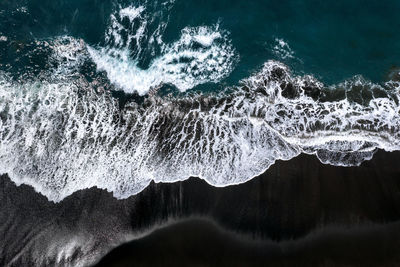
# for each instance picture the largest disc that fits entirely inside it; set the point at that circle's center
(202, 243)
(298, 213)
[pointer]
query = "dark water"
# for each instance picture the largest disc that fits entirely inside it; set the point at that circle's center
(123, 96)
(165, 90)
(332, 40)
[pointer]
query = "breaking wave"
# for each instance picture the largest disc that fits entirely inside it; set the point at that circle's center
(68, 133)
(63, 131)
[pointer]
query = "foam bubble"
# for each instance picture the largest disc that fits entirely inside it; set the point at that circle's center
(202, 54)
(62, 133)
(63, 136)
(131, 12)
(282, 49)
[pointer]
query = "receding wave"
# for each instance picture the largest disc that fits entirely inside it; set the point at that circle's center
(63, 131)
(67, 133)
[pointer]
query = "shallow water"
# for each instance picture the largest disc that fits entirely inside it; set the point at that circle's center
(118, 94)
(108, 107)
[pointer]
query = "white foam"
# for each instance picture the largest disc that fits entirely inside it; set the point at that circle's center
(282, 49)
(202, 54)
(203, 37)
(62, 136)
(115, 34)
(131, 12)
(22, 9)
(68, 55)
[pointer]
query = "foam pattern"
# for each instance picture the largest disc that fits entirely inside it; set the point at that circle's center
(64, 132)
(64, 135)
(201, 55)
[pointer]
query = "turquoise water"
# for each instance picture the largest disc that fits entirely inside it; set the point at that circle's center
(332, 40)
(117, 94)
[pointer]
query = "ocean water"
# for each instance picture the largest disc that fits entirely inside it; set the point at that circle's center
(116, 94)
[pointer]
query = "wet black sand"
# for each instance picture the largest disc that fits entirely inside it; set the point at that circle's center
(202, 243)
(298, 213)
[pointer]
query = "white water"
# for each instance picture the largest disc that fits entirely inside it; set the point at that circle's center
(65, 134)
(282, 49)
(62, 136)
(201, 55)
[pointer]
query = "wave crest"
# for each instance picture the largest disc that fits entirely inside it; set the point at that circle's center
(65, 135)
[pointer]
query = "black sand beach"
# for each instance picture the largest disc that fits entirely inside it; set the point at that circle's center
(298, 212)
(100, 97)
(202, 243)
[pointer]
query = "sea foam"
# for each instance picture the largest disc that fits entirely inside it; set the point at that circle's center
(202, 54)
(64, 135)
(64, 132)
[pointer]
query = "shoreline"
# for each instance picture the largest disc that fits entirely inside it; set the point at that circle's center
(289, 201)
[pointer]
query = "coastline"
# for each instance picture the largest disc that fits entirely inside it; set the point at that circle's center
(200, 242)
(291, 200)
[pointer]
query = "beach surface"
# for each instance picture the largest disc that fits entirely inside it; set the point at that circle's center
(298, 211)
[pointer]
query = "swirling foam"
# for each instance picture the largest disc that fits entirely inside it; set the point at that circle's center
(63, 132)
(65, 135)
(202, 54)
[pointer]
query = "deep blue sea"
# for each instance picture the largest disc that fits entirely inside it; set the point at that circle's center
(116, 94)
(333, 40)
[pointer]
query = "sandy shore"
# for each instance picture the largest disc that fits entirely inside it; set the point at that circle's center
(199, 242)
(299, 209)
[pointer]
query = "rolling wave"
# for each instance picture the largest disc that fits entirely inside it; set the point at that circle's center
(64, 132)
(64, 135)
